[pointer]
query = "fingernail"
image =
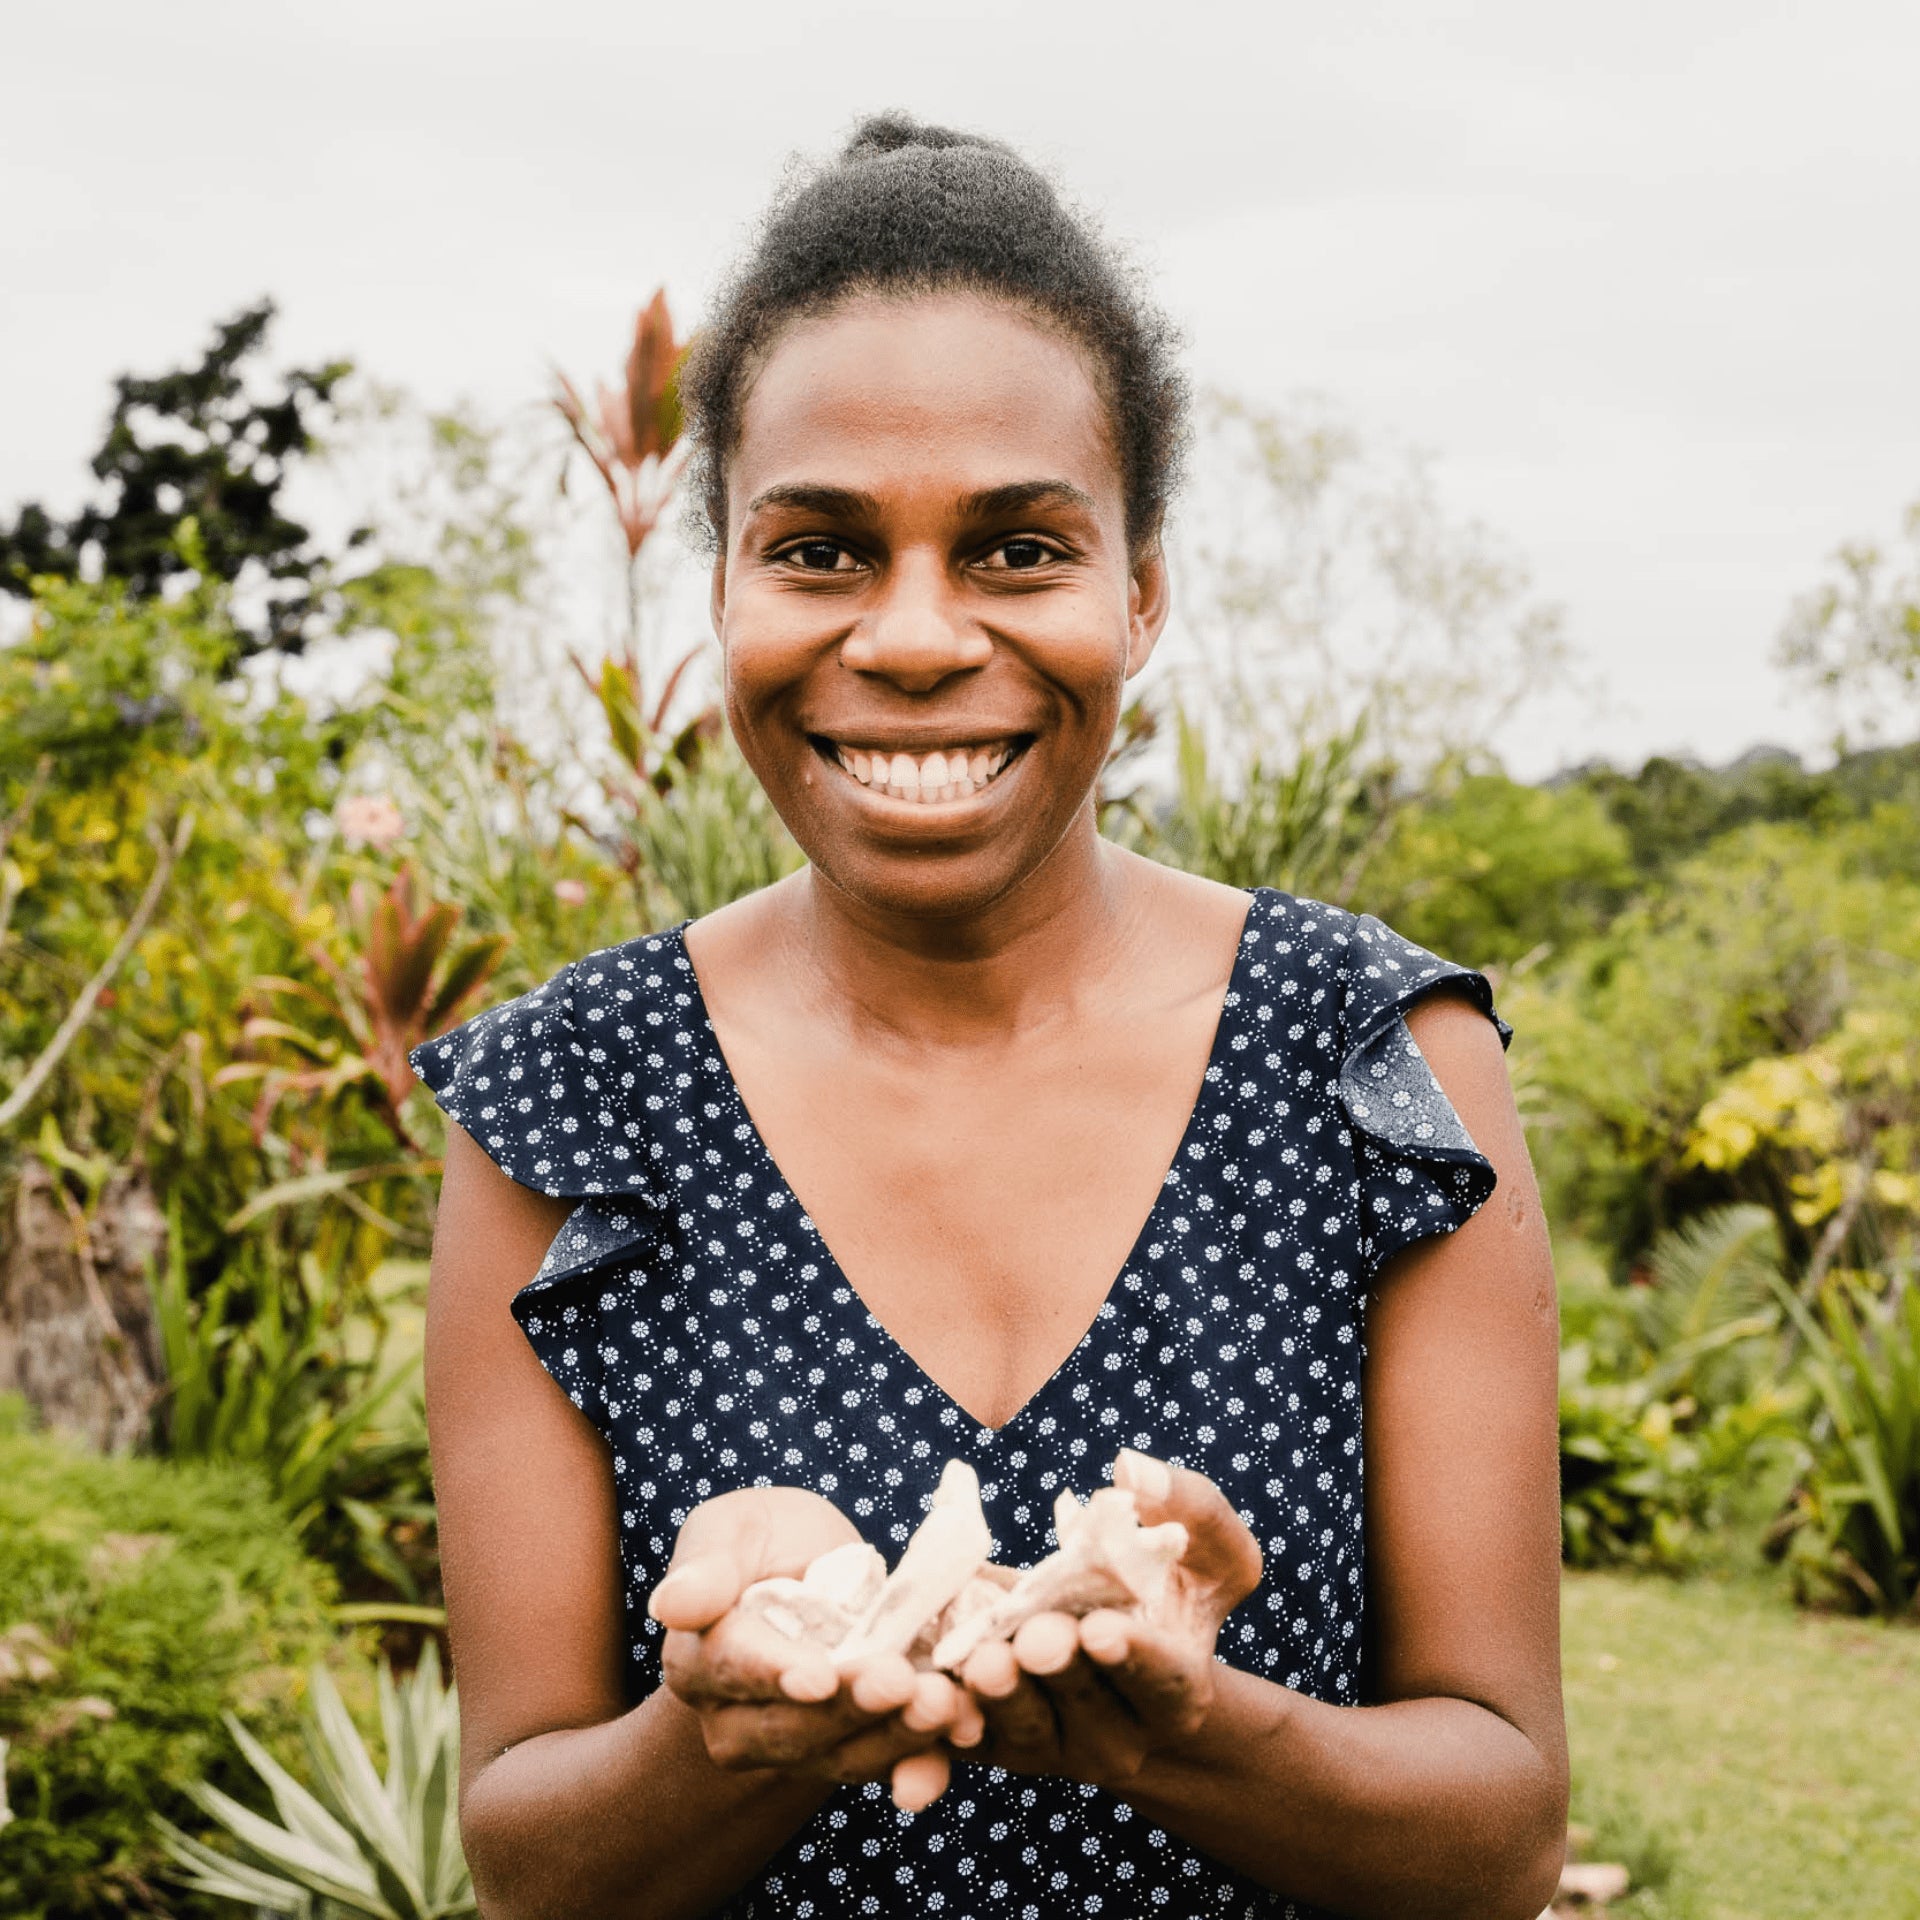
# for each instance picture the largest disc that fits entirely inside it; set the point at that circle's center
(1142, 1474)
(809, 1683)
(683, 1582)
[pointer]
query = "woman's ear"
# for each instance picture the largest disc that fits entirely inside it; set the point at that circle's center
(1149, 601)
(717, 597)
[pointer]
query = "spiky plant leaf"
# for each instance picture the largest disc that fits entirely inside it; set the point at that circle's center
(346, 1878)
(346, 1774)
(298, 1809)
(225, 1878)
(362, 1846)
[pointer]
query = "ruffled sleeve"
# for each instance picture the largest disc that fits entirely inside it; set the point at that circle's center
(1419, 1171)
(561, 1112)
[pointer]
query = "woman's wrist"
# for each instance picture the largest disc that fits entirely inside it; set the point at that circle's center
(1243, 1733)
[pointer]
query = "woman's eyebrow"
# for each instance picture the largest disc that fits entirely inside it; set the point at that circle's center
(1021, 496)
(988, 503)
(804, 496)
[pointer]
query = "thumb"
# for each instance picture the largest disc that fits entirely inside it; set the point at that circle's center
(1220, 1547)
(716, 1558)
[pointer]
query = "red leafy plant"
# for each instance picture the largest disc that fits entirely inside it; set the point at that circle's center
(632, 436)
(632, 431)
(410, 982)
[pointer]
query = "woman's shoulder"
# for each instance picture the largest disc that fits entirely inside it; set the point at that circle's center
(543, 1081)
(1372, 972)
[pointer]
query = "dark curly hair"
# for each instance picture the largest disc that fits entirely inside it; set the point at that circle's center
(909, 208)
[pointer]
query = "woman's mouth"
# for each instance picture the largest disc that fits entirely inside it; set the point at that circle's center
(956, 772)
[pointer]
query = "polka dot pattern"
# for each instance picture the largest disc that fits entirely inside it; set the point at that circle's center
(689, 1308)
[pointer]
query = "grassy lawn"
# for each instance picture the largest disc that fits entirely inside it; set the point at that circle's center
(1749, 1762)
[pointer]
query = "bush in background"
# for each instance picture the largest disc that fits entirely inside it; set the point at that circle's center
(1851, 1530)
(139, 1600)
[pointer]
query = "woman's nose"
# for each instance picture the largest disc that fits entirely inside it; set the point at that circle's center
(916, 635)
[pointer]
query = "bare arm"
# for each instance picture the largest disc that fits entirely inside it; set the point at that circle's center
(1446, 1801)
(571, 1804)
(1449, 1797)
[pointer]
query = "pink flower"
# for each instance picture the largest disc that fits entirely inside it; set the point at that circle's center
(570, 893)
(370, 820)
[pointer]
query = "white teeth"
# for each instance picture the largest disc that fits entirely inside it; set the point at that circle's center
(944, 774)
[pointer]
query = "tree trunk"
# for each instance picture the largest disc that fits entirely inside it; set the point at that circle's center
(77, 1333)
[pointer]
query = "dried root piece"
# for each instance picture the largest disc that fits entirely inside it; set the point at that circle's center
(1105, 1559)
(979, 1596)
(822, 1607)
(945, 1598)
(847, 1604)
(948, 1548)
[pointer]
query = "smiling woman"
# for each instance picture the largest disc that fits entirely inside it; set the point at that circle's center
(979, 1136)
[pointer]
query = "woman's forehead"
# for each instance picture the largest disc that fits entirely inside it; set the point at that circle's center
(976, 392)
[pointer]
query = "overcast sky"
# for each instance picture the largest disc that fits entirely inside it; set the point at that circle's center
(1644, 278)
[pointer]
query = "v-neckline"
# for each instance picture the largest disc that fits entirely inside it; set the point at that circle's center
(839, 1277)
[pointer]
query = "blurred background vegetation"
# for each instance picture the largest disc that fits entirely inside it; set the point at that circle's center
(276, 804)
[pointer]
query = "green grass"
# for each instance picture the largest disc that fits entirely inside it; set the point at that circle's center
(1749, 1762)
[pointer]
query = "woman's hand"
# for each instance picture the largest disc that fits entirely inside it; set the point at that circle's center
(766, 1701)
(1091, 1699)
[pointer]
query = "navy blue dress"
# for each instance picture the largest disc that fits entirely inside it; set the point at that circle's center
(691, 1311)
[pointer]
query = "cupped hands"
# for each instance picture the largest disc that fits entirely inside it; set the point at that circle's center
(764, 1701)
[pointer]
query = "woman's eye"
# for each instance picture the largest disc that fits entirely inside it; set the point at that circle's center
(819, 556)
(1019, 556)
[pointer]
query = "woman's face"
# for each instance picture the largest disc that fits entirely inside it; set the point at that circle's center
(926, 604)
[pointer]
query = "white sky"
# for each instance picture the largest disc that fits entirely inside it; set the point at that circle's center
(1644, 278)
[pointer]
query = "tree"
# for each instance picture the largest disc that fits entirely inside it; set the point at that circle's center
(1333, 589)
(197, 446)
(1856, 638)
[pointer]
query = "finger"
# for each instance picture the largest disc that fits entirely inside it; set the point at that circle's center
(1220, 1546)
(1047, 1643)
(811, 1678)
(882, 1684)
(1106, 1636)
(1150, 1481)
(991, 1672)
(1014, 1712)
(969, 1723)
(872, 1751)
(696, 1593)
(1101, 1737)
(715, 1558)
(1156, 1674)
(743, 1659)
(1086, 1705)
(749, 1736)
(931, 1707)
(920, 1779)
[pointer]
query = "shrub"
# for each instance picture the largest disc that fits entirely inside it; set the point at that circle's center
(1643, 1475)
(1852, 1527)
(138, 1601)
(378, 1849)
(1665, 1399)
(262, 1375)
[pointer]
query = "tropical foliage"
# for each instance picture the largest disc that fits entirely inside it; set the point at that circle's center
(237, 888)
(357, 1843)
(139, 1601)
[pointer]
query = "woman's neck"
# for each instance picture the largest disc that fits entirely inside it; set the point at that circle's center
(1022, 963)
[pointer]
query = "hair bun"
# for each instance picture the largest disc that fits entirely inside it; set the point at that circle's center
(890, 132)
